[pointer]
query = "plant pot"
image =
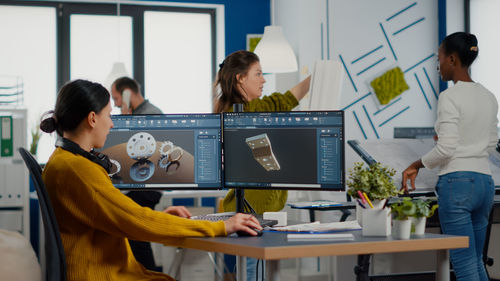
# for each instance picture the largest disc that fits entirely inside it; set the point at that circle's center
(419, 225)
(401, 229)
(377, 205)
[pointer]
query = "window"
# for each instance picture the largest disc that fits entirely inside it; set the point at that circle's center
(178, 62)
(96, 43)
(483, 19)
(170, 49)
(28, 52)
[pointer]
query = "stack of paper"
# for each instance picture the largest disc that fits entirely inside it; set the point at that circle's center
(317, 227)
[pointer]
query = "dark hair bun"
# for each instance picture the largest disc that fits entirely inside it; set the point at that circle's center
(48, 124)
(464, 44)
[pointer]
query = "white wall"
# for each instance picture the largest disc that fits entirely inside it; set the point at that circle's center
(319, 29)
(327, 29)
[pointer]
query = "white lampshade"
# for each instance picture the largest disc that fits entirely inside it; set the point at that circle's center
(275, 53)
(117, 70)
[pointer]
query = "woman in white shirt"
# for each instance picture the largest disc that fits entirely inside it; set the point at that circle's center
(466, 128)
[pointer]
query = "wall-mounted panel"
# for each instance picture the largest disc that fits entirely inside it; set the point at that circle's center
(370, 37)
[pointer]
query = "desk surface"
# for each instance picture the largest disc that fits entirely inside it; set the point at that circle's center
(274, 245)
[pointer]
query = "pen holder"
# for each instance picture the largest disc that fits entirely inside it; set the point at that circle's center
(376, 222)
(377, 205)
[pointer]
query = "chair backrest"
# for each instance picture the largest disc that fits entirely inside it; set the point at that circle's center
(54, 252)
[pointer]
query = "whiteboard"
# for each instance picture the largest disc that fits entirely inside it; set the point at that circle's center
(400, 153)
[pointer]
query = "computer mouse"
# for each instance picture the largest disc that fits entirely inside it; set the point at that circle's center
(242, 233)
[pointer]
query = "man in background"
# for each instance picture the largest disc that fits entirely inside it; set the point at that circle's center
(126, 94)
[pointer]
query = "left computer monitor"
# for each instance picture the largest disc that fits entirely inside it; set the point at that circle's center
(171, 151)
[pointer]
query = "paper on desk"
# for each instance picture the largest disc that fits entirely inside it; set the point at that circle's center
(320, 227)
(318, 203)
(319, 237)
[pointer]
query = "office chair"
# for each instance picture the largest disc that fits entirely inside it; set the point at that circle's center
(54, 252)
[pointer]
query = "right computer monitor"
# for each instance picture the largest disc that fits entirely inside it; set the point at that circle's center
(284, 150)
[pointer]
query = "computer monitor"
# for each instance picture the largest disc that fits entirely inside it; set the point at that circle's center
(173, 151)
(284, 150)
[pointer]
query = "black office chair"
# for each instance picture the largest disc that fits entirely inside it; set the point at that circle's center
(54, 252)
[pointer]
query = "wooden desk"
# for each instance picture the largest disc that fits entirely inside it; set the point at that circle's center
(273, 246)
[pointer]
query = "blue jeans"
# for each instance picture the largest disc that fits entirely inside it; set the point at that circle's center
(465, 200)
(251, 269)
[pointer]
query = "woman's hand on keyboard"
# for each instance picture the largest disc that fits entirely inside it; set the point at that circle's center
(242, 222)
(179, 211)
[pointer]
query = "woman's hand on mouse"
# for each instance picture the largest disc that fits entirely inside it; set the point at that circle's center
(242, 222)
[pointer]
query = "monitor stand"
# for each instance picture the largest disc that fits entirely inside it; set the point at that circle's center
(240, 192)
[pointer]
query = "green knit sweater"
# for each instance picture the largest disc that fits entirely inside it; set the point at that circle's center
(264, 200)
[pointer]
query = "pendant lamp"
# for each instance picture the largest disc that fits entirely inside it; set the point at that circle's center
(275, 53)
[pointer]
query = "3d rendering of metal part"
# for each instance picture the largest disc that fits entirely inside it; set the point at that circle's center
(169, 153)
(142, 170)
(141, 146)
(263, 152)
(172, 167)
(114, 164)
(166, 147)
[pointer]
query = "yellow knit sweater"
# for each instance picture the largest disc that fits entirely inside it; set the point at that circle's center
(95, 220)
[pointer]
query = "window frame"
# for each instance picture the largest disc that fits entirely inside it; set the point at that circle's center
(134, 10)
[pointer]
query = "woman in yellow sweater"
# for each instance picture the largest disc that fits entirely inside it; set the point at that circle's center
(94, 217)
(240, 80)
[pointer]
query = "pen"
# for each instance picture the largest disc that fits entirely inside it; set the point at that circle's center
(385, 204)
(368, 200)
(361, 197)
(361, 204)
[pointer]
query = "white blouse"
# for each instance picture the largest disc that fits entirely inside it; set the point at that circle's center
(466, 126)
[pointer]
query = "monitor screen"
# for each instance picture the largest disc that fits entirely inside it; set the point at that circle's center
(284, 150)
(181, 151)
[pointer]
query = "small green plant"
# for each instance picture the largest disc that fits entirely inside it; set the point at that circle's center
(423, 208)
(375, 180)
(403, 209)
(35, 138)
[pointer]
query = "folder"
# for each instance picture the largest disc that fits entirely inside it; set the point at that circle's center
(6, 143)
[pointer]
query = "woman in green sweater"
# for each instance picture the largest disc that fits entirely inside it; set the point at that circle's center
(240, 80)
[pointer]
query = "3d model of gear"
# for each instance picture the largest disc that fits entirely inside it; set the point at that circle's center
(263, 152)
(166, 147)
(141, 146)
(117, 165)
(169, 153)
(142, 170)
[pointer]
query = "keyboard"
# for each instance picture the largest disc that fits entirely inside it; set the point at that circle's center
(227, 215)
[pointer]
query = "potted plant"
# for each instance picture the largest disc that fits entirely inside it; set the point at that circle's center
(35, 138)
(423, 210)
(374, 180)
(402, 210)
